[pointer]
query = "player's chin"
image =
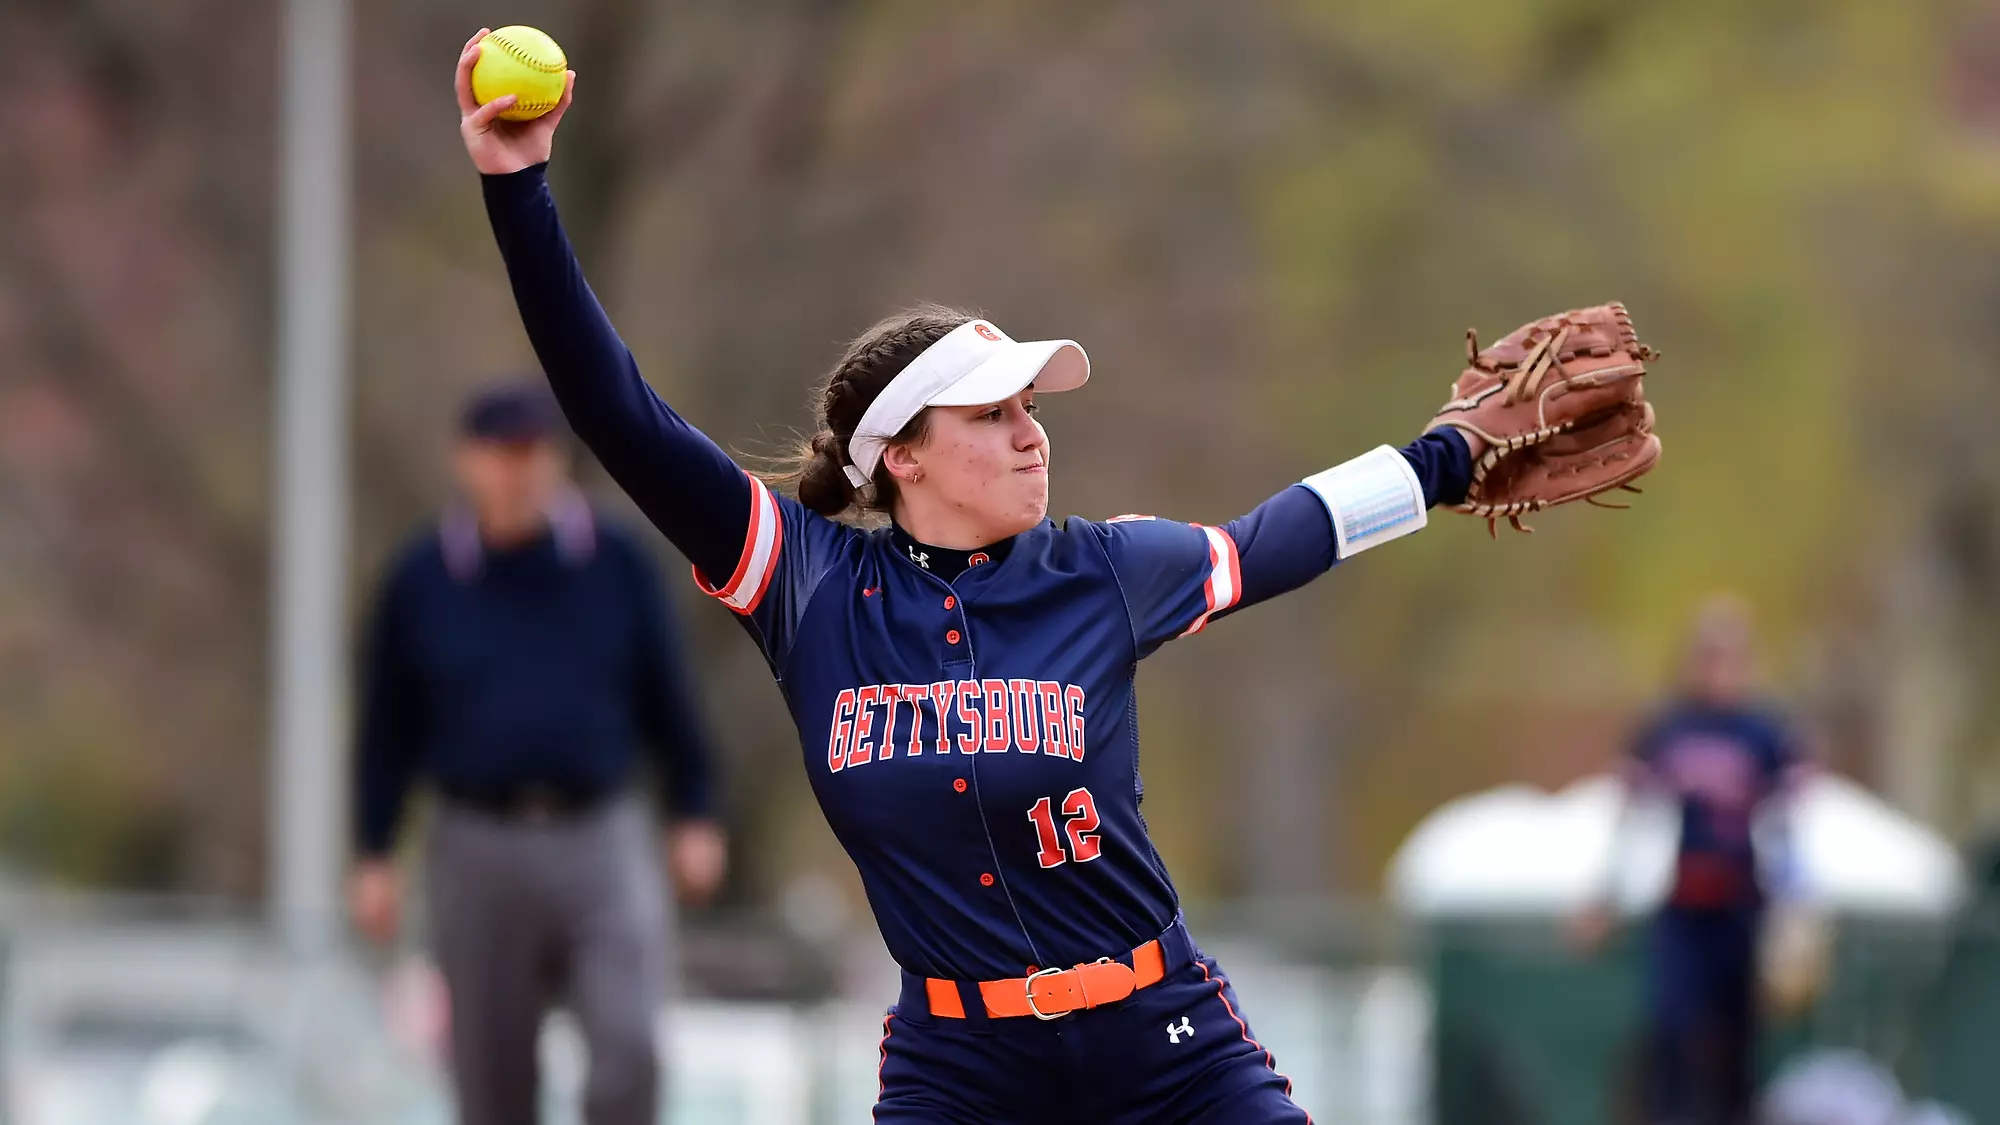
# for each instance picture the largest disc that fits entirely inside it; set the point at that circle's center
(1031, 498)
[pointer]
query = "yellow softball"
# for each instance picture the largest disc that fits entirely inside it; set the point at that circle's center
(524, 62)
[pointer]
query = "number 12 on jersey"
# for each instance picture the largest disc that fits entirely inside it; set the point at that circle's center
(1081, 812)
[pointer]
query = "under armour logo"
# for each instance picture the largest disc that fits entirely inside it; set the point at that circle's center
(1175, 1031)
(921, 558)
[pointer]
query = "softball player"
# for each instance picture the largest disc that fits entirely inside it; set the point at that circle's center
(962, 681)
(1729, 761)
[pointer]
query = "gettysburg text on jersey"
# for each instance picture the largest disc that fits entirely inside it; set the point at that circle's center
(876, 722)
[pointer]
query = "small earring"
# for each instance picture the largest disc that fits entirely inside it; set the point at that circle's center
(916, 476)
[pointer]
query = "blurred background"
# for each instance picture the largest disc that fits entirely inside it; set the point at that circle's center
(1270, 223)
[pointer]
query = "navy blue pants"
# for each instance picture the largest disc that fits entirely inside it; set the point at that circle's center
(1176, 1053)
(1702, 1004)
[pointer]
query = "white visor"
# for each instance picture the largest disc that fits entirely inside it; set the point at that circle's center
(973, 364)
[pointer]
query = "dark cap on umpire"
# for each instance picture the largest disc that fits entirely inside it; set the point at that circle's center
(511, 412)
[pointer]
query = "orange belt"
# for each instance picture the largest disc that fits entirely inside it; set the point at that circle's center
(1052, 993)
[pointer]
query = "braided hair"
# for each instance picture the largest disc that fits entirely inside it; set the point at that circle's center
(817, 467)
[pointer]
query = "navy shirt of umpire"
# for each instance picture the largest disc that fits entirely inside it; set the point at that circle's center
(520, 657)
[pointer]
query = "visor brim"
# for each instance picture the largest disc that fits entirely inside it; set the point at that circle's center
(1049, 365)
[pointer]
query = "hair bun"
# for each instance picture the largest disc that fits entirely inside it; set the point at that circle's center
(816, 468)
(823, 483)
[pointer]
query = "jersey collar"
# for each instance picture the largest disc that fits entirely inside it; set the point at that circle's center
(947, 564)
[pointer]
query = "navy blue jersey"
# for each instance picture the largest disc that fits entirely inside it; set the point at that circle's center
(1719, 764)
(974, 744)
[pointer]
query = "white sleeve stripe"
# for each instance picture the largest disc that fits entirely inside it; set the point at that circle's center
(761, 542)
(1224, 587)
(760, 545)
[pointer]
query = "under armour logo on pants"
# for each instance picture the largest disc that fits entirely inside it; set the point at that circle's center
(1175, 1031)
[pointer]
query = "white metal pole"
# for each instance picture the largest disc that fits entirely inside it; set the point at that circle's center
(309, 455)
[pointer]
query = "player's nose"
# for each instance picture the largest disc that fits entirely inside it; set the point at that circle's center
(1028, 433)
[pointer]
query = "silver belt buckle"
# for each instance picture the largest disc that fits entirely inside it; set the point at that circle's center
(1029, 984)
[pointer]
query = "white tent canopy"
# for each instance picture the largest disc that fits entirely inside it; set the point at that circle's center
(1522, 850)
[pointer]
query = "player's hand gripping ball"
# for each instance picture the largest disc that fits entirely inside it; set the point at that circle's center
(1561, 404)
(524, 62)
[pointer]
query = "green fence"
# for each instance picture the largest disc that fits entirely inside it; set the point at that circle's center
(1955, 1041)
(1528, 1032)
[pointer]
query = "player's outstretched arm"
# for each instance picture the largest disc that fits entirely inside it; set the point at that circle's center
(1176, 578)
(686, 484)
(1303, 531)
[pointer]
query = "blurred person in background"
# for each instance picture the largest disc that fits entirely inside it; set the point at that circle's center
(521, 656)
(1729, 761)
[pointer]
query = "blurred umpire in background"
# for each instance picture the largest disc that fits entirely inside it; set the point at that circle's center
(519, 659)
(1731, 763)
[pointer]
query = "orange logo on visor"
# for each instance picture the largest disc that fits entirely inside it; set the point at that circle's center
(986, 330)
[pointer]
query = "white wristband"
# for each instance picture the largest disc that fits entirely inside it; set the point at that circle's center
(1373, 498)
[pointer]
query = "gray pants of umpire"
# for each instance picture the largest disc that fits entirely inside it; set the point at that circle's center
(529, 916)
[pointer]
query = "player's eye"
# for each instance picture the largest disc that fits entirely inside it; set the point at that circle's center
(992, 415)
(1031, 408)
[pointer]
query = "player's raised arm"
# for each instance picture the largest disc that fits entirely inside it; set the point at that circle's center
(686, 484)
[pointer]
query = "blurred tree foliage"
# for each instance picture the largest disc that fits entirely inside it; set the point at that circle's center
(1269, 223)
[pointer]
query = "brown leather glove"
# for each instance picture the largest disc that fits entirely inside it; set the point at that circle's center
(1561, 405)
